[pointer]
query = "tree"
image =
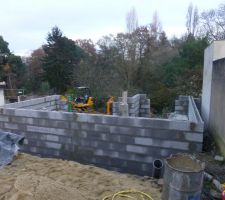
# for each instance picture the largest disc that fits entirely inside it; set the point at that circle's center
(188, 65)
(192, 20)
(12, 69)
(35, 73)
(62, 56)
(4, 46)
(131, 20)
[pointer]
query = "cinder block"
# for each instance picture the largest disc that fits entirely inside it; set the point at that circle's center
(120, 130)
(143, 141)
(33, 149)
(116, 146)
(82, 134)
(81, 117)
(74, 125)
(64, 140)
(179, 108)
(136, 149)
(161, 143)
(95, 119)
(101, 128)
(145, 106)
(22, 120)
(87, 126)
(53, 123)
(26, 113)
(55, 131)
(7, 111)
(11, 126)
(53, 145)
(4, 118)
(195, 137)
(53, 138)
(109, 119)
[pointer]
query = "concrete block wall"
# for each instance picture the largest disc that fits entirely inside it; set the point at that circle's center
(43, 103)
(125, 144)
(138, 105)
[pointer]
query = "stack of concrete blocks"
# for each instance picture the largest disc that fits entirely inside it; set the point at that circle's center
(181, 105)
(138, 106)
(144, 110)
(125, 144)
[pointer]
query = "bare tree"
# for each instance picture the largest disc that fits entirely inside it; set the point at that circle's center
(155, 26)
(213, 23)
(131, 20)
(192, 19)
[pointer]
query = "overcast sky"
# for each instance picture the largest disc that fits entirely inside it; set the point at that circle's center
(24, 24)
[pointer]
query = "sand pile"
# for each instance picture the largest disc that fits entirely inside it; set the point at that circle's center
(41, 188)
(33, 178)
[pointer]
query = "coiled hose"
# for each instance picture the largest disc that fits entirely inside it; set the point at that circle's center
(127, 194)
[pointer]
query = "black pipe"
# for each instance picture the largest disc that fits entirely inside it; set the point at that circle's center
(157, 168)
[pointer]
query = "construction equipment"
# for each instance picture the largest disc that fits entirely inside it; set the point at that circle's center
(83, 99)
(109, 105)
(82, 102)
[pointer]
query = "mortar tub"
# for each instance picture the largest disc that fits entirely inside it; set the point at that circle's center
(183, 178)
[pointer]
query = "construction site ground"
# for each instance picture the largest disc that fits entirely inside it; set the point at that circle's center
(34, 178)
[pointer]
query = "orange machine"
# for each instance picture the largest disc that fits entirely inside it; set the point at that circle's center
(109, 105)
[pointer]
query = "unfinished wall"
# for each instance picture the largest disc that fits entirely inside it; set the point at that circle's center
(44, 103)
(138, 105)
(217, 106)
(121, 143)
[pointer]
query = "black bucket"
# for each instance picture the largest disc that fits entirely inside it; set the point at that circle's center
(157, 168)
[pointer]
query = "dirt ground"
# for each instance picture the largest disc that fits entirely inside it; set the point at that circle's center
(215, 168)
(33, 178)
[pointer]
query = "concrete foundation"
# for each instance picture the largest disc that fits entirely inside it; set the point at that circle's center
(126, 144)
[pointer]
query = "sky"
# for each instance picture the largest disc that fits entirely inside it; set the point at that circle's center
(24, 24)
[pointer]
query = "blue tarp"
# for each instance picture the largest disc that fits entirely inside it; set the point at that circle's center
(9, 146)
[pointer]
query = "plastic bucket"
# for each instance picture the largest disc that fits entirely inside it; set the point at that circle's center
(183, 178)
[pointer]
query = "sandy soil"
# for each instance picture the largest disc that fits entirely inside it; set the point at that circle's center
(33, 178)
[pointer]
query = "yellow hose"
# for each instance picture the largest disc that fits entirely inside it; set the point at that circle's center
(127, 193)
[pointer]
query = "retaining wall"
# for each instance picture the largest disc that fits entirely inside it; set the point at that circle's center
(138, 105)
(124, 144)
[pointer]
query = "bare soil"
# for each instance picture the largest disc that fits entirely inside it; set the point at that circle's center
(33, 178)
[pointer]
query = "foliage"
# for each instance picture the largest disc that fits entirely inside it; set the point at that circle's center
(34, 73)
(12, 69)
(62, 56)
(4, 46)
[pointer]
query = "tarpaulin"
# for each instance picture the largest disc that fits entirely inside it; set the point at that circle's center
(9, 146)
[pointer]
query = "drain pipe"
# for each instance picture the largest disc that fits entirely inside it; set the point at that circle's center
(157, 168)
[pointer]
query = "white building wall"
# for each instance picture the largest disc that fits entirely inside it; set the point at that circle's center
(214, 51)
